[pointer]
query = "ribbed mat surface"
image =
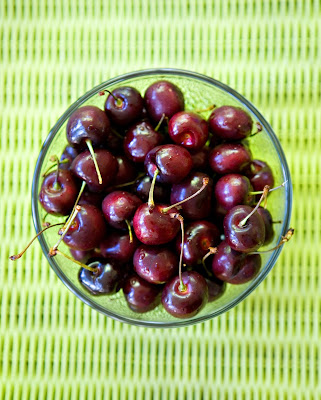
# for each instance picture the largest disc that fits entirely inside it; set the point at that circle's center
(54, 347)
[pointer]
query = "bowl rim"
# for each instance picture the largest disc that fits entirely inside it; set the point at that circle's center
(161, 72)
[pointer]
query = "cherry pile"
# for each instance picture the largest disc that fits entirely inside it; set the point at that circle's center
(159, 200)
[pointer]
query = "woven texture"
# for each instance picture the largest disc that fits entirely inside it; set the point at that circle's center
(54, 347)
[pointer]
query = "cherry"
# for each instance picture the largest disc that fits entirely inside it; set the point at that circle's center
(227, 158)
(268, 223)
(198, 237)
(200, 206)
(142, 188)
(87, 230)
(107, 279)
(230, 123)
(80, 255)
(58, 192)
(140, 139)
(163, 97)
(154, 227)
(188, 129)
(234, 267)
(201, 159)
(124, 105)
(84, 168)
(91, 198)
(186, 302)
(119, 207)
(68, 155)
(242, 237)
(173, 163)
(155, 264)
(216, 288)
(118, 246)
(88, 123)
(232, 190)
(126, 170)
(141, 296)
(260, 175)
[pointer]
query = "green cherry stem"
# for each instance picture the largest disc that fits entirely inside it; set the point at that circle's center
(284, 239)
(129, 231)
(92, 153)
(182, 287)
(160, 122)
(54, 252)
(263, 197)
(151, 203)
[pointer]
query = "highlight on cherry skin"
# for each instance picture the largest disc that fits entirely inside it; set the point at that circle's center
(159, 204)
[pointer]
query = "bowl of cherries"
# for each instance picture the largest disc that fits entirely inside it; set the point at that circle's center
(162, 198)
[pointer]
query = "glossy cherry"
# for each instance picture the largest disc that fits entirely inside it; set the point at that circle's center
(227, 158)
(58, 193)
(244, 238)
(139, 140)
(141, 296)
(188, 129)
(187, 302)
(201, 159)
(216, 288)
(268, 223)
(153, 227)
(120, 206)
(198, 237)
(87, 230)
(107, 279)
(163, 97)
(234, 267)
(88, 197)
(127, 171)
(88, 123)
(124, 106)
(84, 168)
(68, 155)
(260, 174)
(230, 123)
(200, 206)
(155, 264)
(142, 188)
(118, 246)
(173, 163)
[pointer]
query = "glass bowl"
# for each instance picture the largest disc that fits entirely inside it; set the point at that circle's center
(200, 91)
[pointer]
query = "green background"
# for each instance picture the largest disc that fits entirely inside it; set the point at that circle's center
(54, 347)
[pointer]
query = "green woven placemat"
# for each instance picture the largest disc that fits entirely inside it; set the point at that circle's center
(54, 347)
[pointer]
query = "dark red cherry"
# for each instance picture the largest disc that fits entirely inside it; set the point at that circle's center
(127, 171)
(68, 155)
(84, 168)
(268, 223)
(201, 159)
(88, 123)
(88, 197)
(141, 296)
(107, 279)
(234, 267)
(139, 140)
(244, 238)
(260, 175)
(232, 190)
(87, 230)
(117, 246)
(200, 206)
(58, 196)
(119, 206)
(227, 158)
(185, 303)
(153, 227)
(80, 255)
(198, 237)
(216, 288)
(155, 264)
(163, 97)
(188, 129)
(230, 123)
(124, 106)
(172, 161)
(142, 188)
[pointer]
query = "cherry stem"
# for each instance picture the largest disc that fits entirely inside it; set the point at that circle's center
(16, 256)
(129, 183)
(91, 150)
(54, 159)
(75, 205)
(182, 287)
(65, 228)
(209, 108)
(44, 223)
(263, 197)
(119, 102)
(151, 203)
(284, 239)
(259, 129)
(211, 250)
(54, 252)
(160, 122)
(205, 183)
(270, 190)
(129, 231)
